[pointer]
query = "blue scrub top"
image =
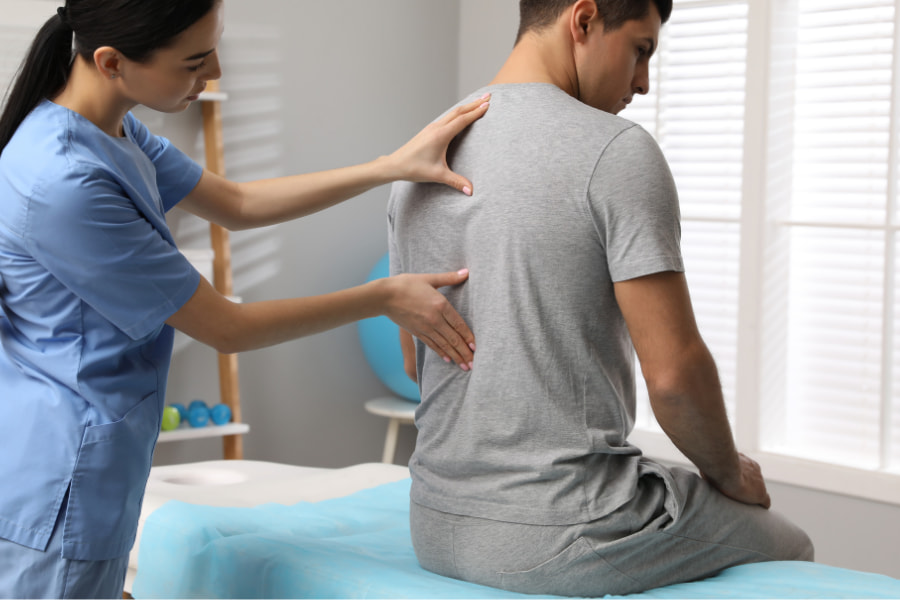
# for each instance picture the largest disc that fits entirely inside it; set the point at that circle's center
(89, 273)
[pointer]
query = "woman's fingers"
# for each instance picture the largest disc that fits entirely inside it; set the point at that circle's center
(424, 312)
(424, 157)
(449, 346)
(454, 123)
(449, 335)
(465, 114)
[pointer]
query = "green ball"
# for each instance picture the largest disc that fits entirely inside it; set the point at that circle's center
(171, 418)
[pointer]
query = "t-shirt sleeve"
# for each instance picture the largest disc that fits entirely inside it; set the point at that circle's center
(93, 239)
(177, 174)
(634, 204)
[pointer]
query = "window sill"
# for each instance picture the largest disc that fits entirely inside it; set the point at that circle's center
(881, 486)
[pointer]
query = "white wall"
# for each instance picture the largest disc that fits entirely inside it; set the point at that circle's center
(323, 84)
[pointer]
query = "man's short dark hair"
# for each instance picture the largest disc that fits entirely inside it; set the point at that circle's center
(535, 15)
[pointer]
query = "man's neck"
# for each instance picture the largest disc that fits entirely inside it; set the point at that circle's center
(537, 59)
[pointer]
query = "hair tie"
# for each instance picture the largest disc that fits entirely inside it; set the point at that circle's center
(61, 11)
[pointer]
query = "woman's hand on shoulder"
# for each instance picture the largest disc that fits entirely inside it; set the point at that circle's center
(424, 157)
(414, 303)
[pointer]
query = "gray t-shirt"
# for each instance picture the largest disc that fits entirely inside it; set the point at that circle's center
(568, 200)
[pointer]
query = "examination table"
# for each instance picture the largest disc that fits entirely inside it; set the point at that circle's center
(247, 529)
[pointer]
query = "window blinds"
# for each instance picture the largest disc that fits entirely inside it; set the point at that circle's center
(840, 251)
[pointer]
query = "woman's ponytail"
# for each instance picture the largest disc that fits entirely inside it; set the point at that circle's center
(136, 28)
(42, 74)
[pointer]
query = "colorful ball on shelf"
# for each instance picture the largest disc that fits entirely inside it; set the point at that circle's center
(220, 414)
(197, 403)
(198, 416)
(171, 418)
(380, 339)
(182, 411)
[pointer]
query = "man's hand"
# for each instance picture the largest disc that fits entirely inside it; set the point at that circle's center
(748, 486)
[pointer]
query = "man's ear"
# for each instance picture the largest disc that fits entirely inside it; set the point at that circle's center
(583, 18)
(108, 62)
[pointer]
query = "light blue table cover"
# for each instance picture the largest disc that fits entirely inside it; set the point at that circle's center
(359, 546)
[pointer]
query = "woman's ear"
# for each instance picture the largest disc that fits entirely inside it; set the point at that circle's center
(108, 62)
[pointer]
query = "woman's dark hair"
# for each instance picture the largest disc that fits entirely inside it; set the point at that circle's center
(538, 14)
(136, 28)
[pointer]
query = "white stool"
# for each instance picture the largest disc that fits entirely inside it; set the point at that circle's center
(400, 412)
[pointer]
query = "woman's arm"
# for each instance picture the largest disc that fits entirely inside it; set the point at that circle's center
(411, 301)
(238, 206)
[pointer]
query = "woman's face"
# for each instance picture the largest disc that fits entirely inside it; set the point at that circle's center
(174, 76)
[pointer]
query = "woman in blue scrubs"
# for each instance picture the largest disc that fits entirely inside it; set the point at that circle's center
(92, 285)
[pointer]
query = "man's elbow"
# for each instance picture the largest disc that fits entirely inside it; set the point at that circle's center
(409, 365)
(408, 349)
(679, 377)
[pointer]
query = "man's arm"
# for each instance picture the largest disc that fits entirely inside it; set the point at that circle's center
(683, 383)
(408, 346)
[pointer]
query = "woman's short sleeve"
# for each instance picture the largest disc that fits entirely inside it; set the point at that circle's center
(177, 174)
(94, 240)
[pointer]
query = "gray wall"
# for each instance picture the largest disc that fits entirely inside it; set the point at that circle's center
(486, 35)
(313, 85)
(316, 85)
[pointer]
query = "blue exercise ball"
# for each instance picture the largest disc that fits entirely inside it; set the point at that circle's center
(380, 339)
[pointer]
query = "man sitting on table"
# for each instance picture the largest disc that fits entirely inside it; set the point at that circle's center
(523, 476)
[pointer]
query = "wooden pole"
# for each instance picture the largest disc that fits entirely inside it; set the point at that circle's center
(229, 389)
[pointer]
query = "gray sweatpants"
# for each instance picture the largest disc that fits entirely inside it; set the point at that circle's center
(640, 546)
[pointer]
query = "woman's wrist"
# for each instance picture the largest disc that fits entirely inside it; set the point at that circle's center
(380, 295)
(388, 169)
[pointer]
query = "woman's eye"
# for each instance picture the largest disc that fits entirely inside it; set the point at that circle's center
(197, 67)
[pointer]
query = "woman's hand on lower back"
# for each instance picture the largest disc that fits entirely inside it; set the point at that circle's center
(415, 304)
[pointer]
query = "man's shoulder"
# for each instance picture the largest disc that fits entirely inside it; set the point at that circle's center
(550, 112)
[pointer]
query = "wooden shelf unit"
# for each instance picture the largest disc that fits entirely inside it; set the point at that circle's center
(229, 390)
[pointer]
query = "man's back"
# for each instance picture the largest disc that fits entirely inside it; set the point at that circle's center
(568, 200)
(523, 478)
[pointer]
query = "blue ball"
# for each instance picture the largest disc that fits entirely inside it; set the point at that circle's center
(182, 411)
(380, 339)
(198, 416)
(220, 414)
(197, 403)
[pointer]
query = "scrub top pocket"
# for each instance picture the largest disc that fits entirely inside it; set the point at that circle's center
(108, 484)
